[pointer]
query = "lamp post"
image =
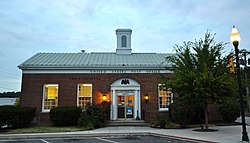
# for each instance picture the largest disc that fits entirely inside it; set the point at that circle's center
(235, 38)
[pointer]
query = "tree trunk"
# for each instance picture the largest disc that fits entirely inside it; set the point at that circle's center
(206, 116)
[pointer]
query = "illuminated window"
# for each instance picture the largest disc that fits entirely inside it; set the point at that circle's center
(84, 95)
(165, 97)
(124, 41)
(50, 96)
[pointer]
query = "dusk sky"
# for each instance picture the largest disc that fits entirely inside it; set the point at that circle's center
(31, 26)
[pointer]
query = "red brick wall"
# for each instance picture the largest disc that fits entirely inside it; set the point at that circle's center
(32, 90)
(214, 113)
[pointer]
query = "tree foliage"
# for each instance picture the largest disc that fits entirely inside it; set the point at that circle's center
(201, 72)
(10, 94)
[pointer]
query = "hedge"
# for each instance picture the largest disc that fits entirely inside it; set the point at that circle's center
(16, 117)
(65, 116)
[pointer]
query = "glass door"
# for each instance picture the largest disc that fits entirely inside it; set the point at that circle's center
(129, 106)
(121, 106)
(125, 106)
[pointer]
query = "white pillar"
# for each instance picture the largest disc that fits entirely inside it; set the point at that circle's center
(135, 104)
(139, 102)
(111, 105)
(114, 105)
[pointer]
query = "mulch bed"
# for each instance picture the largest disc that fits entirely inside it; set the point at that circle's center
(205, 130)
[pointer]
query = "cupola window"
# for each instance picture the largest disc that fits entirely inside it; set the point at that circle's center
(124, 41)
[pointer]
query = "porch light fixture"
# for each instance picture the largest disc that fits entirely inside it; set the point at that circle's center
(104, 97)
(235, 39)
(146, 97)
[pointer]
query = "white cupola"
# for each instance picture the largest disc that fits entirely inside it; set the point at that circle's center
(123, 41)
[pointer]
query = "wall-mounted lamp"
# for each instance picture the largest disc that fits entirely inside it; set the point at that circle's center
(104, 97)
(146, 97)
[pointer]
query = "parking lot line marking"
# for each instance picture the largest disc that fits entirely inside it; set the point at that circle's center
(106, 140)
(44, 141)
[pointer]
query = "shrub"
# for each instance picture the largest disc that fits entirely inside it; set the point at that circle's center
(65, 116)
(181, 112)
(105, 110)
(229, 110)
(16, 117)
(93, 117)
(89, 121)
(160, 122)
(17, 102)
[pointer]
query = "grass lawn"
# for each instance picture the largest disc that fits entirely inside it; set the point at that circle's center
(41, 129)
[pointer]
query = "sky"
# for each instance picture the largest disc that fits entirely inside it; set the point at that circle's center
(31, 26)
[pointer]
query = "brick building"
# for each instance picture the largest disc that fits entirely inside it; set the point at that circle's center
(123, 78)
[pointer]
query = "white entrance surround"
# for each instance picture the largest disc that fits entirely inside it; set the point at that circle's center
(125, 86)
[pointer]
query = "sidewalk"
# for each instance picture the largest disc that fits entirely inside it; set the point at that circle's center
(225, 134)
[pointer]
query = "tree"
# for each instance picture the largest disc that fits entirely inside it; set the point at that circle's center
(201, 77)
(10, 94)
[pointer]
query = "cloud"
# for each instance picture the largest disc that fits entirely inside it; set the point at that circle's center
(72, 25)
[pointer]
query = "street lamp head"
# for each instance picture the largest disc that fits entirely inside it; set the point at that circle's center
(235, 36)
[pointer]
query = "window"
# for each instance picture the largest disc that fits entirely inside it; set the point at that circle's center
(124, 41)
(84, 95)
(50, 96)
(165, 97)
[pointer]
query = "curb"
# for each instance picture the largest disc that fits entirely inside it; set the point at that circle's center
(181, 138)
(64, 136)
(38, 136)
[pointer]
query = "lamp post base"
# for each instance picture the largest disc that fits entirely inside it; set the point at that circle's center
(245, 136)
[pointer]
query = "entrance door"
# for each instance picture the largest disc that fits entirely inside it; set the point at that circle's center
(125, 105)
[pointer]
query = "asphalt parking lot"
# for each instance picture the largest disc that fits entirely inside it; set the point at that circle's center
(119, 139)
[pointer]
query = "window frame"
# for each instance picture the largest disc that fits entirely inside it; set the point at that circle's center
(171, 96)
(43, 99)
(78, 91)
(124, 41)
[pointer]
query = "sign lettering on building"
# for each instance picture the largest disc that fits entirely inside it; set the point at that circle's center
(100, 71)
(127, 71)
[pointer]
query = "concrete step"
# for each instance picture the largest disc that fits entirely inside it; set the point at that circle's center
(127, 123)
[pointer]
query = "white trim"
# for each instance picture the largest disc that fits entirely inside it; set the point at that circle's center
(48, 110)
(45, 111)
(172, 99)
(163, 109)
(117, 87)
(84, 96)
(132, 83)
(95, 71)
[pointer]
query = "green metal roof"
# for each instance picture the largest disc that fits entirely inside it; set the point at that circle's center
(94, 60)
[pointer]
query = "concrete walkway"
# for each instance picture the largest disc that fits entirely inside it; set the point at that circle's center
(225, 134)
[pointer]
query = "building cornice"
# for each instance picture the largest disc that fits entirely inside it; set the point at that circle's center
(96, 71)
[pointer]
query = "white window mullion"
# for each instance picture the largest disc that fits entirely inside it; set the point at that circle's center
(84, 95)
(50, 97)
(165, 97)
